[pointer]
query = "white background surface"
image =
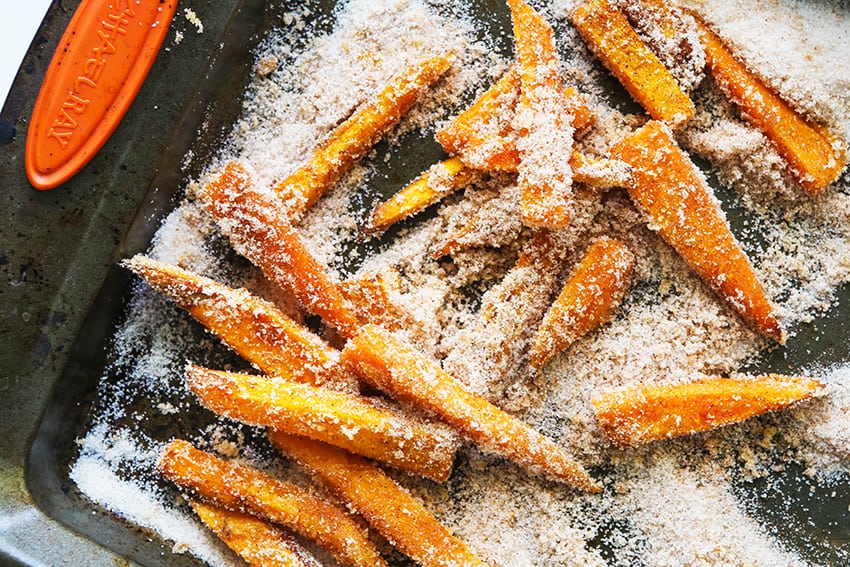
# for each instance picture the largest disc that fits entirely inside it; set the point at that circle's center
(18, 25)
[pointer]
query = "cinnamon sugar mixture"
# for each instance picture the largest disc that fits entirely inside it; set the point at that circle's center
(688, 501)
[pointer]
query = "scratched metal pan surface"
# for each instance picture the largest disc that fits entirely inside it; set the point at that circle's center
(811, 519)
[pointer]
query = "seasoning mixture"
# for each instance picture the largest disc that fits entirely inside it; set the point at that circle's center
(687, 501)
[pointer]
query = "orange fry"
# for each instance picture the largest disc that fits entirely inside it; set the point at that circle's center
(610, 36)
(260, 332)
(542, 122)
(385, 505)
(258, 542)
(354, 138)
(242, 488)
(814, 157)
(483, 135)
(436, 182)
(639, 415)
(405, 374)
(371, 296)
(259, 231)
(674, 194)
(354, 423)
(591, 294)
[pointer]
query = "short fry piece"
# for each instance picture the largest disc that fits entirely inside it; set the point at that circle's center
(405, 374)
(388, 507)
(260, 332)
(610, 36)
(258, 542)
(591, 293)
(815, 158)
(439, 180)
(344, 420)
(674, 194)
(639, 415)
(543, 124)
(353, 139)
(371, 296)
(262, 233)
(239, 487)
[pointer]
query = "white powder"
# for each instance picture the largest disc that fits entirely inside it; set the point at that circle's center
(667, 504)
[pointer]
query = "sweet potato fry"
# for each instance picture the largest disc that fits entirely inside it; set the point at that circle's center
(257, 330)
(239, 487)
(542, 123)
(483, 135)
(352, 422)
(387, 507)
(353, 139)
(439, 180)
(610, 36)
(258, 542)
(639, 415)
(405, 374)
(371, 297)
(675, 196)
(815, 158)
(593, 290)
(262, 233)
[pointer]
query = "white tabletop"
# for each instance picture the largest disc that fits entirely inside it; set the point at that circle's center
(17, 28)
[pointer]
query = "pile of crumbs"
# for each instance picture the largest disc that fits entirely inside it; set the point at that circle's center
(676, 503)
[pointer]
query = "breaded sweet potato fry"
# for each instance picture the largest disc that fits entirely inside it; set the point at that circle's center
(353, 139)
(408, 376)
(638, 415)
(815, 158)
(258, 542)
(260, 332)
(260, 231)
(236, 486)
(593, 290)
(439, 180)
(680, 205)
(371, 295)
(352, 422)
(542, 122)
(387, 507)
(483, 134)
(610, 36)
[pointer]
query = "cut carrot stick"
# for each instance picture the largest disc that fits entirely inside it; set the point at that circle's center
(352, 422)
(639, 415)
(439, 180)
(242, 488)
(258, 542)
(353, 139)
(259, 231)
(814, 157)
(408, 376)
(386, 506)
(260, 332)
(592, 292)
(610, 36)
(542, 123)
(680, 205)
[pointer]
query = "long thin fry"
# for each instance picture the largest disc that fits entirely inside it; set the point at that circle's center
(260, 231)
(639, 415)
(681, 206)
(591, 293)
(814, 157)
(354, 423)
(258, 542)
(239, 487)
(610, 36)
(388, 507)
(543, 124)
(353, 139)
(260, 332)
(405, 374)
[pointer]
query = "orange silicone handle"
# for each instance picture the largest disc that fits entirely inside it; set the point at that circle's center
(102, 60)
